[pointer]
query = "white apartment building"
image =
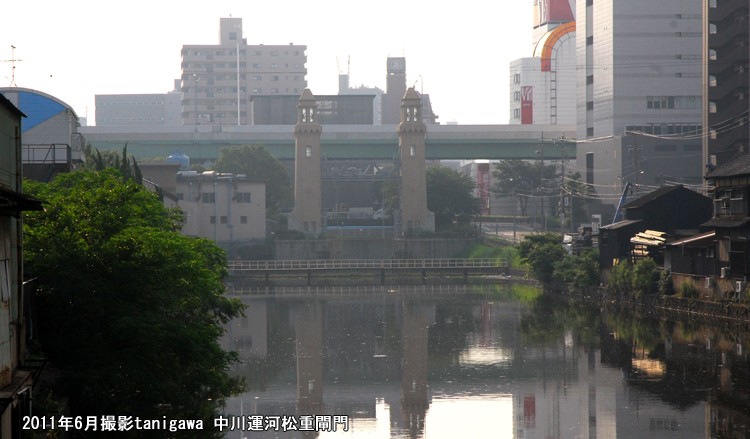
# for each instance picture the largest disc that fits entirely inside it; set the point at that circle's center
(218, 80)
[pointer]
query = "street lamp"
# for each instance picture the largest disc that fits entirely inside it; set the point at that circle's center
(196, 101)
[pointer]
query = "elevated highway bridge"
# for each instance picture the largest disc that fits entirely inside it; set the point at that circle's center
(342, 142)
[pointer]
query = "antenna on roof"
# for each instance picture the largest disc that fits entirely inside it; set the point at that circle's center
(12, 62)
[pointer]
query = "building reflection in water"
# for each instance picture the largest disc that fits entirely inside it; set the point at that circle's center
(404, 368)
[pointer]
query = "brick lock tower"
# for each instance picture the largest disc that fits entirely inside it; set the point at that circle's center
(306, 216)
(411, 143)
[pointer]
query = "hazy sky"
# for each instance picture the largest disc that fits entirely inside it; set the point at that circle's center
(75, 50)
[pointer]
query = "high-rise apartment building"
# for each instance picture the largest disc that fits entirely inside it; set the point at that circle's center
(638, 93)
(725, 80)
(218, 80)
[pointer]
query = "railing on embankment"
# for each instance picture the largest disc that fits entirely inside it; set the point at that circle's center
(323, 267)
(358, 290)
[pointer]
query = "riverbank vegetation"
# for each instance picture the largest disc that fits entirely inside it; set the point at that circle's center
(128, 311)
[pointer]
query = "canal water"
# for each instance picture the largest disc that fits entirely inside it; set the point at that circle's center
(483, 361)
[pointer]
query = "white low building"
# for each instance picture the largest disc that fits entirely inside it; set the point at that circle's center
(222, 207)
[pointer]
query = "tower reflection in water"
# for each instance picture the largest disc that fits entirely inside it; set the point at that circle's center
(401, 367)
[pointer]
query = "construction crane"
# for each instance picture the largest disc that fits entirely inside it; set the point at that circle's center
(618, 212)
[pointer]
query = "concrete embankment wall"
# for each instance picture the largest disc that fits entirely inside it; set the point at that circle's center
(369, 248)
(669, 304)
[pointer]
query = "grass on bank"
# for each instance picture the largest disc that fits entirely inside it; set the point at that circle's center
(476, 250)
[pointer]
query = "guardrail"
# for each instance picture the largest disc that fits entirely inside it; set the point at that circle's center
(343, 264)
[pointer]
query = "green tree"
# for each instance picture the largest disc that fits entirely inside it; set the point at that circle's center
(129, 311)
(98, 161)
(450, 196)
(521, 176)
(581, 270)
(540, 252)
(257, 163)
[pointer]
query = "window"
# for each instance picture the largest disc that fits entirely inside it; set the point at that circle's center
(589, 2)
(517, 96)
(208, 197)
(589, 40)
(243, 197)
(711, 28)
(589, 79)
(257, 90)
(243, 220)
(223, 219)
(232, 35)
(274, 66)
(296, 78)
(590, 132)
(308, 151)
(517, 78)
(257, 78)
(712, 107)
(257, 53)
(590, 106)
(213, 220)
(412, 150)
(712, 54)
(665, 148)
(274, 53)
(305, 226)
(274, 90)
(516, 113)
(296, 65)
(274, 78)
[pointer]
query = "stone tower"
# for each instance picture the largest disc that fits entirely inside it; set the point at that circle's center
(306, 216)
(411, 135)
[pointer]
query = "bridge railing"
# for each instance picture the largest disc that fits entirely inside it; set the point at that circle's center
(343, 264)
(346, 290)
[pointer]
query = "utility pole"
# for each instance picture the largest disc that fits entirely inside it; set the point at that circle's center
(562, 189)
(540, 153)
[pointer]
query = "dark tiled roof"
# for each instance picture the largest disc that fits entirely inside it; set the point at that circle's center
(726, 222)
(739, 166)
(652, 196)
(696, 240)
(619, 224)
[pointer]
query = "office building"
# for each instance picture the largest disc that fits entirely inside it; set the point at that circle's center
(140, 109)
(725, 80)
(638, 94)
(218, 81)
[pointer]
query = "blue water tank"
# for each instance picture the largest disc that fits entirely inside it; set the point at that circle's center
(181, 158)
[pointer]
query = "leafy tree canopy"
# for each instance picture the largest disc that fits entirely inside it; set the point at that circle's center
(450, 196)
(540, 251)
(519, 175)
(129, 311)
(257, 163)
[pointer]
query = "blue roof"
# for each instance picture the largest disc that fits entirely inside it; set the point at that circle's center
(38, 109)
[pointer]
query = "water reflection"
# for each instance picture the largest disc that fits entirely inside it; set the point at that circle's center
(487, 363)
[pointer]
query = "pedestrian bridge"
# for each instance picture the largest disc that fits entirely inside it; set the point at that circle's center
(382, 267)
(343, 142)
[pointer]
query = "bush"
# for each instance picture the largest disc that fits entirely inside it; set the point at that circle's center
(688, 291)
(582, 270)
(621, 278)
(665, 283)
(645, 277)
